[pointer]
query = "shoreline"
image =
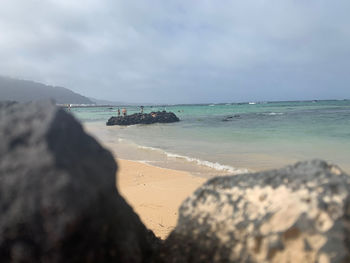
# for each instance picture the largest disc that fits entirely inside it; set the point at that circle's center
(155, 184)
(129, 150)
(155, 193)
(244, 162)
(230, 137)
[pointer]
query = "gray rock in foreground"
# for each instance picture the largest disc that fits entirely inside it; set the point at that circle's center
(58, 197)
(297, 214)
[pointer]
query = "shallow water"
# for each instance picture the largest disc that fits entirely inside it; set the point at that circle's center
(254, 137)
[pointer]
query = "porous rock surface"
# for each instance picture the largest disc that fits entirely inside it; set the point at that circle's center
(144, 118)
(58, 200)
(299, 213)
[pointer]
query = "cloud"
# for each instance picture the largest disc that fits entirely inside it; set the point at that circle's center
(180, 51)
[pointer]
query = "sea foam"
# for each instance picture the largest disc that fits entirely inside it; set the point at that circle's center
(275, 113)
(213, 165)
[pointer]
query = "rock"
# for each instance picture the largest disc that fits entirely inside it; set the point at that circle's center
(144, 118)
(297, 214)
(58, 196)
(230, 118)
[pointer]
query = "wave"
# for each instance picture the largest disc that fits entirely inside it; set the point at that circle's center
(217, 166)
(149, 148)
(145, 161)
(214, 165)
(274, 113)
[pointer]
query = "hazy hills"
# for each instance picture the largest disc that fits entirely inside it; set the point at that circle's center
(25, 91)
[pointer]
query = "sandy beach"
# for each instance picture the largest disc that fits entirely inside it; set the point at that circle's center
(155, 193)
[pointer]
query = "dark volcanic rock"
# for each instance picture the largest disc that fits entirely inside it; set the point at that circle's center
(144, 118)
(58, 197)
(297, 214)
(230, 118)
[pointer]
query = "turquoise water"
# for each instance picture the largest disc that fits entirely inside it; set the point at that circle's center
(254, 136)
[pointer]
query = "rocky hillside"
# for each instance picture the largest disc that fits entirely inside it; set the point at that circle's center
(25, 91)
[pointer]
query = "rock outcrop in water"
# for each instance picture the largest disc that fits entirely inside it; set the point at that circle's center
(58, 200)
(297, 214)
(144, 118)
(230, 118)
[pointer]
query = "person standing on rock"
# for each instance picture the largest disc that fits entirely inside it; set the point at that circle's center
(141, 109)
(124, 112)
(118, 112)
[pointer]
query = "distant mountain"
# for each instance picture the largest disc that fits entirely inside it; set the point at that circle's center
(25, 91)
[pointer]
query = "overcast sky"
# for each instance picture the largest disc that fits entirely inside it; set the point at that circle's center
(184, 51)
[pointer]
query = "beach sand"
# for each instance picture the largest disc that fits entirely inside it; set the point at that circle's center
(155, 193)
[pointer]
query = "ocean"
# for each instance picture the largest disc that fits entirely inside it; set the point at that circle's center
(231, 138)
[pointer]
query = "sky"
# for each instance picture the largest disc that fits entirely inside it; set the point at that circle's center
(184, 51)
